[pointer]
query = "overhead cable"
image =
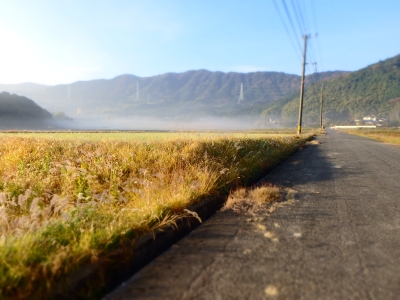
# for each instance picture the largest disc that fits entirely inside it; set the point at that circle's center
(291, 23)
(287, 31)
(296, 14)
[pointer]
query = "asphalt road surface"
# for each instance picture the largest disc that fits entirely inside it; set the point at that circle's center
(338, 239)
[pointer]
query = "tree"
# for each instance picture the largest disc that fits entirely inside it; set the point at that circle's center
(59, 115)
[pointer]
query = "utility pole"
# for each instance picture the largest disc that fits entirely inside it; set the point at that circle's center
(320, 113)
(305, 37)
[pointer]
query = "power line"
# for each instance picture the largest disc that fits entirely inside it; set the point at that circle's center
(296, 14)
(304, 19)
(313, 13)
(302, 25)
(299, 9)
(287, 31)
(305, 15)
(291, 23)
(316, 30)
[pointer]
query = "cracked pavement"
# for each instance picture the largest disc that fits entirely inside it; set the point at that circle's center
(338, 239)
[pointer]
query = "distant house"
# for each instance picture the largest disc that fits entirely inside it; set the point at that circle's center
(373, 120)
(369, 120)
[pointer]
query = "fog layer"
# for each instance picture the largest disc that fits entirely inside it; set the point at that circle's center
(149, 123)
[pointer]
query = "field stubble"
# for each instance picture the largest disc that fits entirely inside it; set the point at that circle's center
(65, 202)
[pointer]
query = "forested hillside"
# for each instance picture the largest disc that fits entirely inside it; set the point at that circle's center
(369, 91)
(17, 112)
(18, 107)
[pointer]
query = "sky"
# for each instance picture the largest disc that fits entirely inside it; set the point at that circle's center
(62, 41)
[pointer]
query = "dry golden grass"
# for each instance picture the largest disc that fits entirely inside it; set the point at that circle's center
(250, 200)
(144, 136)
(389, 135)
(313, 142)
(65, 203)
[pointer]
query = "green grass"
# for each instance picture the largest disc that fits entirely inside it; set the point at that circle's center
(68, 199)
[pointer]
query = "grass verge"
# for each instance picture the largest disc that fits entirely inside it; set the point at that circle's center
(389, 135)
(68, 203)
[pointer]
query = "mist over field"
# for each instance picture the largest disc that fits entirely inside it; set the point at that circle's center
(196, 93)
(203, 100)
(152, 123)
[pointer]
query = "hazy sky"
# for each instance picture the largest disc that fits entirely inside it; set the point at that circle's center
(62, 41)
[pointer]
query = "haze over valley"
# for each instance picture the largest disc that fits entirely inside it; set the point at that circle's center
(171, 95)
(207, 100)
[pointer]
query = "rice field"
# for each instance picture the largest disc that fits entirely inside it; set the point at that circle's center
(68, 199)
(148, 136)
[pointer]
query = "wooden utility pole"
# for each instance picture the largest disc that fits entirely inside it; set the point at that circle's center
(320, 113)
(305, 37)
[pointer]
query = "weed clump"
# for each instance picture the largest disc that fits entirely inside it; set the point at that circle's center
(244, 200)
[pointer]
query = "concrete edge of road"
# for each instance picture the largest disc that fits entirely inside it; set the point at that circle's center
(96, 280)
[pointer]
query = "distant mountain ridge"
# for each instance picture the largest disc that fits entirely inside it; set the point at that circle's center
(190, 93)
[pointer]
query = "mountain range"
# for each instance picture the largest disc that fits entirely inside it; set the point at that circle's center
(184, 95)
(373, 90)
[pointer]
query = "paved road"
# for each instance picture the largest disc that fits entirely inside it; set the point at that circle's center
(340, 238)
